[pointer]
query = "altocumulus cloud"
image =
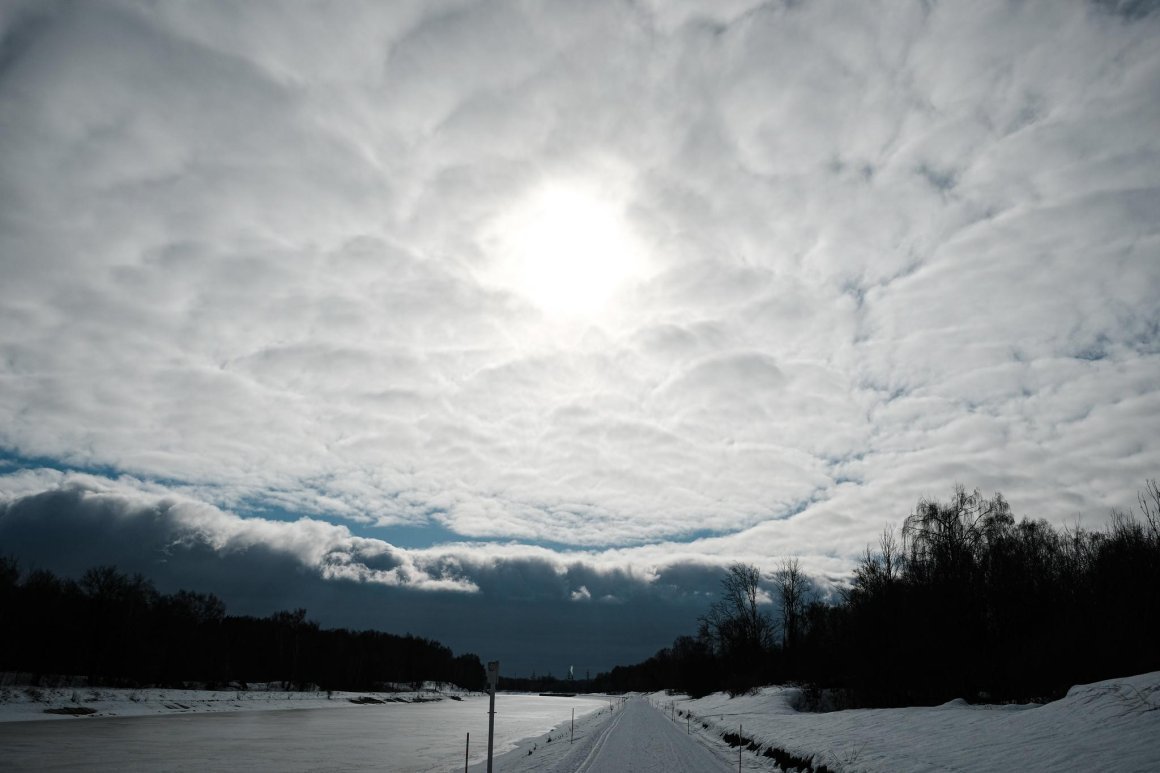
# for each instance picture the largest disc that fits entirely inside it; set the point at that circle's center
(262, 286)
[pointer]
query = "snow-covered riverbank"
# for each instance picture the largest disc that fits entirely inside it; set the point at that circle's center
(1109, 725)
(24, 703)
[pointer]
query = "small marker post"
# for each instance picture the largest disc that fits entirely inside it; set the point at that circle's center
(492, 681)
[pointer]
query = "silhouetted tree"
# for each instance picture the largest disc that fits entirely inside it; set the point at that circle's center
(971, 604)
(793, 589)
(740, 632)
(117, 629)
(981, 607)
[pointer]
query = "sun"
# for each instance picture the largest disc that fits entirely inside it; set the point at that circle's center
(567, 248)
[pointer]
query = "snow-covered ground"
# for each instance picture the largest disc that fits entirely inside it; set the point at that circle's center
(1109, 725)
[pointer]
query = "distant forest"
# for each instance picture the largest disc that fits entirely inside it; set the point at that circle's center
(115, 629)
(967, 603)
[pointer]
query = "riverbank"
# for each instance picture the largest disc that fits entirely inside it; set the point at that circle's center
(25, 702)
(1108, 725)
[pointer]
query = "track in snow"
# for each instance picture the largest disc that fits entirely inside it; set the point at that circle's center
(639, 739)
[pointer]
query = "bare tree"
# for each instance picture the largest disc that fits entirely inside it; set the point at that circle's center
(735, 624)
(944, 541)
(793, 588)
(878, 570)
(1150, 506)
(891, 553)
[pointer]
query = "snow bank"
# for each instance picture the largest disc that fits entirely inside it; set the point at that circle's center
(20, 703)
(1109, 725)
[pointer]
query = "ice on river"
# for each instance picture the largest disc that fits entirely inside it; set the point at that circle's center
(393, 736)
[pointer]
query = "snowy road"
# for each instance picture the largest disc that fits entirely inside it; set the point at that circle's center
(636, 738)
(640, 739)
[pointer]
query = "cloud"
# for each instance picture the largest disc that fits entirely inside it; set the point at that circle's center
(250, 270)
(131, 524)
(504, 600)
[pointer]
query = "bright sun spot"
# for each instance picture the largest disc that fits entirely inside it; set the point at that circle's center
(567, 249)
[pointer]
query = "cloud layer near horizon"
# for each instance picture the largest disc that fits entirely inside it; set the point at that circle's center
(532, 607)
(250, 260)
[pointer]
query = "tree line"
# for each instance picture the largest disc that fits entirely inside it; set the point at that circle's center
(964, 603)
(117, 629)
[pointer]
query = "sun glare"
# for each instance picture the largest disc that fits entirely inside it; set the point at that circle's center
(567, 249)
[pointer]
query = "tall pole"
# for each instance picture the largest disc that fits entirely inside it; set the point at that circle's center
(492, 679)
(466, 752)
(490, 729)
(738, 749)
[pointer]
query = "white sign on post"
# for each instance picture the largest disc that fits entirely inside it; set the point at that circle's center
(492, 674)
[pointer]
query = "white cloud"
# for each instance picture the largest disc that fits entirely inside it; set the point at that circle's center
(888, 248)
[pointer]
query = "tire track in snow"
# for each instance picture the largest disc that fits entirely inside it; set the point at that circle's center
(641, 740)
(599, 742)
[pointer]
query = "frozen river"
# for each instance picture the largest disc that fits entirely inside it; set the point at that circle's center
(397, 737)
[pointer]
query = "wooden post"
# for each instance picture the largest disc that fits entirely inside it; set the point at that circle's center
(492, 680)
(738, 747)
(466, 753)
(572, 727)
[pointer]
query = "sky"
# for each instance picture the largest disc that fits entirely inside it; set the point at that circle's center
(512, 323)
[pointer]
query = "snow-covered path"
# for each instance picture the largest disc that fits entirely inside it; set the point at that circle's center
(640, 739)
(635, 738)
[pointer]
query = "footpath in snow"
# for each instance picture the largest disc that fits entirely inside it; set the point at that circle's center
(635, 737)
